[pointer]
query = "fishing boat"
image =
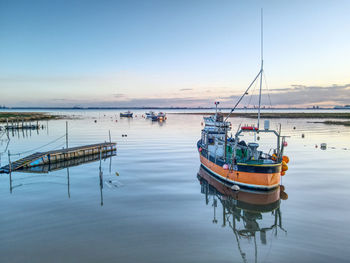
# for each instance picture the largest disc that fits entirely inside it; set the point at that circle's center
(127, 114)
(248, 214)
(237, 161)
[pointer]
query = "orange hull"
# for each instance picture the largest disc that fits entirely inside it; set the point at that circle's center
(258, 198)
(262, 181)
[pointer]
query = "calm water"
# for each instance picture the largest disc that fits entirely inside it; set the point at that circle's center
(157, 209)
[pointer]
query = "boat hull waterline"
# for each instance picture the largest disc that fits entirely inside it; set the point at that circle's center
(253, 180)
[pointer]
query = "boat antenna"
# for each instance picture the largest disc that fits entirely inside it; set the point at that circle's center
(259, 74)
(216, 107)
(262, 64)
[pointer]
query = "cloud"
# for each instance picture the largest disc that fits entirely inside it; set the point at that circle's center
(185, 89)
(301, 95)
(119, 95)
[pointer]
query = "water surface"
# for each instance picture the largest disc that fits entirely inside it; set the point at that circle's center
(158, 209)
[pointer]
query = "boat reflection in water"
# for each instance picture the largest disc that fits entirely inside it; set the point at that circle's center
(242, 210)
(51, 168)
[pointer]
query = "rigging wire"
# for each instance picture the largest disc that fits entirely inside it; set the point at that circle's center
(250, 99)
(32, 150)
(268, 91)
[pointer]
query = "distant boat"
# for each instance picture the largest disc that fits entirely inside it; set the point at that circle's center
(150, 114)
(161, 116)
(127, 114)
(154, 118)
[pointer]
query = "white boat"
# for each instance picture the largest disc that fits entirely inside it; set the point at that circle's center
(150, 114)
(161, 115)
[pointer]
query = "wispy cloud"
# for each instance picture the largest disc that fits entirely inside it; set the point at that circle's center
(119, 95)
(187, 89)
(301, 95)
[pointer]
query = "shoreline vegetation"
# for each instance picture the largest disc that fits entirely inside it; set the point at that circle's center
(28, 116)
(345, 123)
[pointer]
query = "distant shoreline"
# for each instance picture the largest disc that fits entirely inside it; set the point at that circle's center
(161, 108)
(279, 115)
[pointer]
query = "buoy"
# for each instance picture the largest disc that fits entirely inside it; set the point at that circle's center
(274, 157)
(285, 144)
(285, 158)
(284, 166)
(283, 195)
(235, 187)
(95, 121)
(225, 166)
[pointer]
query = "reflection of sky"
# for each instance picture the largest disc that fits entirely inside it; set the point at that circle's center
(168, 53)
(159, 206)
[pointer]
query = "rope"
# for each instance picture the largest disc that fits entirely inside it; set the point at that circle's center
(250, 100)
(267, 87)
(35, 149)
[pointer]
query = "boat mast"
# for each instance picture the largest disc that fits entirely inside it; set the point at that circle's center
(261, 70)
(216, 109)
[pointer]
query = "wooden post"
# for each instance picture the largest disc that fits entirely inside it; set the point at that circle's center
(68, 183)
(10, 168)
(66, 134)
(100, 156)
(101, 178)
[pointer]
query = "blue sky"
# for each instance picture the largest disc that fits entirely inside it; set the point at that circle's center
(172, 53)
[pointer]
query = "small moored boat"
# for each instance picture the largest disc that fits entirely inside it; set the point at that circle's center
(150, 114)
(127, 114)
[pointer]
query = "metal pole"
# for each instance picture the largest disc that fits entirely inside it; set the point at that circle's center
(261, 71)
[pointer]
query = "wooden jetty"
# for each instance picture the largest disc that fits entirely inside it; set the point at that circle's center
(23, 127)
(51, 167)
(51, 157)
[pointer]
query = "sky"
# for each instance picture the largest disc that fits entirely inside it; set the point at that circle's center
(173, 53)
